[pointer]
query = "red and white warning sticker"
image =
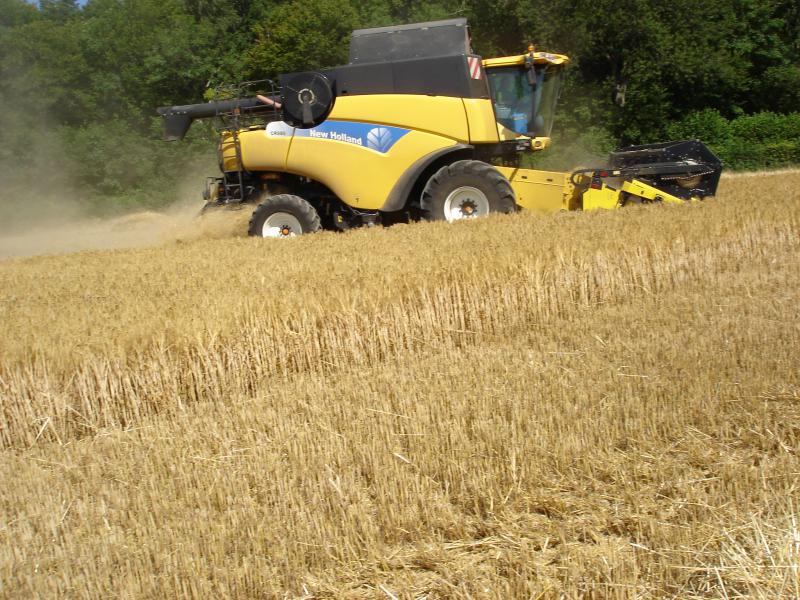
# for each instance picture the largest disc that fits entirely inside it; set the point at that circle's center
(474, 63)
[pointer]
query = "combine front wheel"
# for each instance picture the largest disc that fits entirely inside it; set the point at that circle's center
(284, 215)
(466, 189)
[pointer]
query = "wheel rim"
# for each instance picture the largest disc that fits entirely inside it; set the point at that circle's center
(281, 224)
(465, 203)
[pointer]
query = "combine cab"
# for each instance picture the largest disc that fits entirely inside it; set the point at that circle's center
(418, 126)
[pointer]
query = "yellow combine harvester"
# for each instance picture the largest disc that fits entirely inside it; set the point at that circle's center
(418, 126)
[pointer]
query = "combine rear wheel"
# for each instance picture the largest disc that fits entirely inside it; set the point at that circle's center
(284, 215)
(465, 190)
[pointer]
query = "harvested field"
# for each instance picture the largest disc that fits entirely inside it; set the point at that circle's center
(600, 405)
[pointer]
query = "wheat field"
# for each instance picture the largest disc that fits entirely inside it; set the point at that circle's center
(599, 405)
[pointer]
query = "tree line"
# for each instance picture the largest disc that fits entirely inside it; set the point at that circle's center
(79, 84)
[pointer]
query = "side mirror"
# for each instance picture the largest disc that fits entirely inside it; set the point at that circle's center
(530, 67)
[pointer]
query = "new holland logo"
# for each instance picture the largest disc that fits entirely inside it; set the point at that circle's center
(380, 139)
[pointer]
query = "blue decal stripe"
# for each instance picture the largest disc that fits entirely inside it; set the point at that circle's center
(379, 138)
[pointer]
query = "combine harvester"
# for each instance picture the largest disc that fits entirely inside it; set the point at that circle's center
(418, 126)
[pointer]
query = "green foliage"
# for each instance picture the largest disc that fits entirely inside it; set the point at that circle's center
(301, 35)
(766, 127)
(59, 10)
(707, 125)
(115, 159)
(781, 86)
(16, 12)
(760, 141)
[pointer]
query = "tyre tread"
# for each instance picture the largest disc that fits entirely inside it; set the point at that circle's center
(472, 168)
(306, 213)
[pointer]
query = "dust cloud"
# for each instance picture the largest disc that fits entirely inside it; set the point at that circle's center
(47, 214)
(73, 233)
(44, 208)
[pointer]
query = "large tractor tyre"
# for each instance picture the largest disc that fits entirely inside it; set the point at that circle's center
(284, 215)
(466, 189)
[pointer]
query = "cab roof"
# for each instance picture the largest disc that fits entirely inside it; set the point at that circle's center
(540, 58)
